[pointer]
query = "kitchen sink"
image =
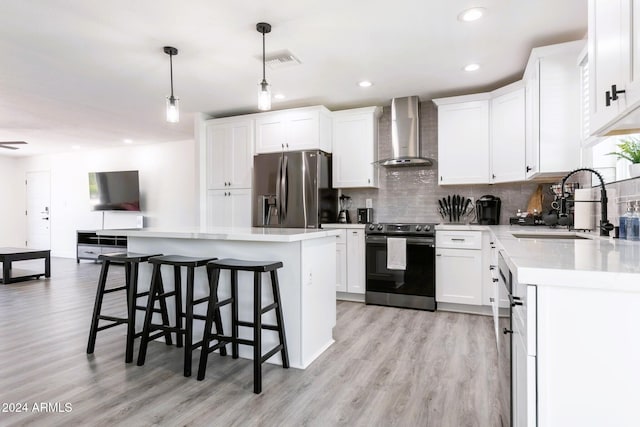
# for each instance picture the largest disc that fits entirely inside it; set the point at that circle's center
(549, 236)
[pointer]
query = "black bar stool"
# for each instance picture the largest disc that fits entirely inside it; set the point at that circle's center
(258, 267)
(177, 261)
(131, 262)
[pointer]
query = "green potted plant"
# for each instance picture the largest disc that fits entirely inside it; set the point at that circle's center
(630, 150)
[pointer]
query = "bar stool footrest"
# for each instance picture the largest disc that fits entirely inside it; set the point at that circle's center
(111, 325)
(270, 353)
(251, 325)
(268, 307)
(120, 288)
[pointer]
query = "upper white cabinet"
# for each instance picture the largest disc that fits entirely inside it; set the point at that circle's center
(508, 135)
(229, 153)
(355, 147)
(552, 110)
(463, 140)
(296, 129)
(614, 65)
(481, 138)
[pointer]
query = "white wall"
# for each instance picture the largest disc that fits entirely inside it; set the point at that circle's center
(168, 190)
(12, 203)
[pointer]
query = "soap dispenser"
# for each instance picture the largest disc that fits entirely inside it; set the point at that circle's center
(633, 224)
(623, 221)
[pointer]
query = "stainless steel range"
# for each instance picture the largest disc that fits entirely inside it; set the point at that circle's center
(401, 265)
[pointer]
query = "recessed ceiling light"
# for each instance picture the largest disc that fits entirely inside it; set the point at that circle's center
(279, 96)
(472, 67)
(472, 14)
(127, 141)
(365, 83)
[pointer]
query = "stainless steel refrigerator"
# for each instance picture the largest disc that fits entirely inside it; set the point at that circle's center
(293, 189)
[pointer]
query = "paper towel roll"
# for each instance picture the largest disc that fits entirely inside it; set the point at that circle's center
(583, 214)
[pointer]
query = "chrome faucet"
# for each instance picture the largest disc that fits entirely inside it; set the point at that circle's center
(605, 225)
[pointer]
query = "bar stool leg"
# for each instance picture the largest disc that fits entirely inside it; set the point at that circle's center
(97, 307)
(280, 319)
(155, 278)
(188, 329)
(132, 291)
(214, 277)
(234, 313)
(177, 280)
(164, 312)
(257, 332)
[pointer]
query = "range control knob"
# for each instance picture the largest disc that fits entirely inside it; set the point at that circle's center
(418, 228)
(371, 226)
(427, 227)
(380, 227)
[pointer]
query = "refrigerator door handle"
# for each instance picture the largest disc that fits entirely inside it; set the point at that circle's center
(285, 187)
(278, 186)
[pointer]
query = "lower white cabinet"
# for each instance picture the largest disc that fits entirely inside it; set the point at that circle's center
(229, 208)
(341, 261)
(458, 273)
(350, 260)
(355, 262)
(459, 267)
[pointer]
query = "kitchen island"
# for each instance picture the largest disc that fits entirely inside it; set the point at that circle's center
(307, 279)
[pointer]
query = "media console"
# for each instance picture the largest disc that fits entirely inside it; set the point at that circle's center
(90, 246)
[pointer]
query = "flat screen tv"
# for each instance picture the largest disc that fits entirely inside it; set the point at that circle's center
(114, 191)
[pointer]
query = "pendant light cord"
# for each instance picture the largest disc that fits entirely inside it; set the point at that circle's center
(263, 60)
(171, 73)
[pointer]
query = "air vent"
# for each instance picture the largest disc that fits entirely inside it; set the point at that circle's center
(281, 59)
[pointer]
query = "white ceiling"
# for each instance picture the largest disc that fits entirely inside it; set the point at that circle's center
(91, 73)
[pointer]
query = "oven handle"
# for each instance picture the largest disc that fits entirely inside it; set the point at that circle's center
(420, 241)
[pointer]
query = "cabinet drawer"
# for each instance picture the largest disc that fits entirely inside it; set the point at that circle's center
(88, 251)
(342, 237)
(459, 239)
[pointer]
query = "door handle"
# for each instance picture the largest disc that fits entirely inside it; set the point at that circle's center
(507, 331)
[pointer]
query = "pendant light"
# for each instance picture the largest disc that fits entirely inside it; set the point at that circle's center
(264, 96)
(173, 110)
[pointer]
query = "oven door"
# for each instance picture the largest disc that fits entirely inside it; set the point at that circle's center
(417, 280)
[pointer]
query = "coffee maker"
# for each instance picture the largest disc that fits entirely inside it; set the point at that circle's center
(488, 210)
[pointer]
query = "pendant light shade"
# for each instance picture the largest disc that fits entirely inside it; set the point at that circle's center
(173, 109)
(264, 95)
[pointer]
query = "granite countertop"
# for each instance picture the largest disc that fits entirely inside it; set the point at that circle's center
(592, 262)
(249, 234)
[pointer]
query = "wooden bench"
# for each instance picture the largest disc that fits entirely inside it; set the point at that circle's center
(9, 255)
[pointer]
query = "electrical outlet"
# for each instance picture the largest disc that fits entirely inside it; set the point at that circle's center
(368, 203)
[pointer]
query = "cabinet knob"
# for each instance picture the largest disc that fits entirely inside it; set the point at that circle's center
(440, 177)
(491, 299)
(528, 168)
(494, 280)
(493, 176)
(507, 331)
(368, 180)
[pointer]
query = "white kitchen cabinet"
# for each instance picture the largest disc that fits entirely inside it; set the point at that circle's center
(508, 135)
(614, 60)
(341, 261)
(355, 261)
(350, 258)
(459, 267)
(229, 153)
(552, 110)
(355, 147)
(296, 129)
(229, 208)
(463, 139)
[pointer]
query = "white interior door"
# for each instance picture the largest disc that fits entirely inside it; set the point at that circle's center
(38, 210)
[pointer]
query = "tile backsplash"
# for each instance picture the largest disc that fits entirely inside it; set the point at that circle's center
(411, 194)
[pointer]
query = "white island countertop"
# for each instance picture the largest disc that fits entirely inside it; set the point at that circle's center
(243, 234)
(594, 262)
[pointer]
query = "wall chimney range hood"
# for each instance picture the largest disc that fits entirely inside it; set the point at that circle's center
(405, 134)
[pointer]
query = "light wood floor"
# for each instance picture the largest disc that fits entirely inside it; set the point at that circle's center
(388, 367)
